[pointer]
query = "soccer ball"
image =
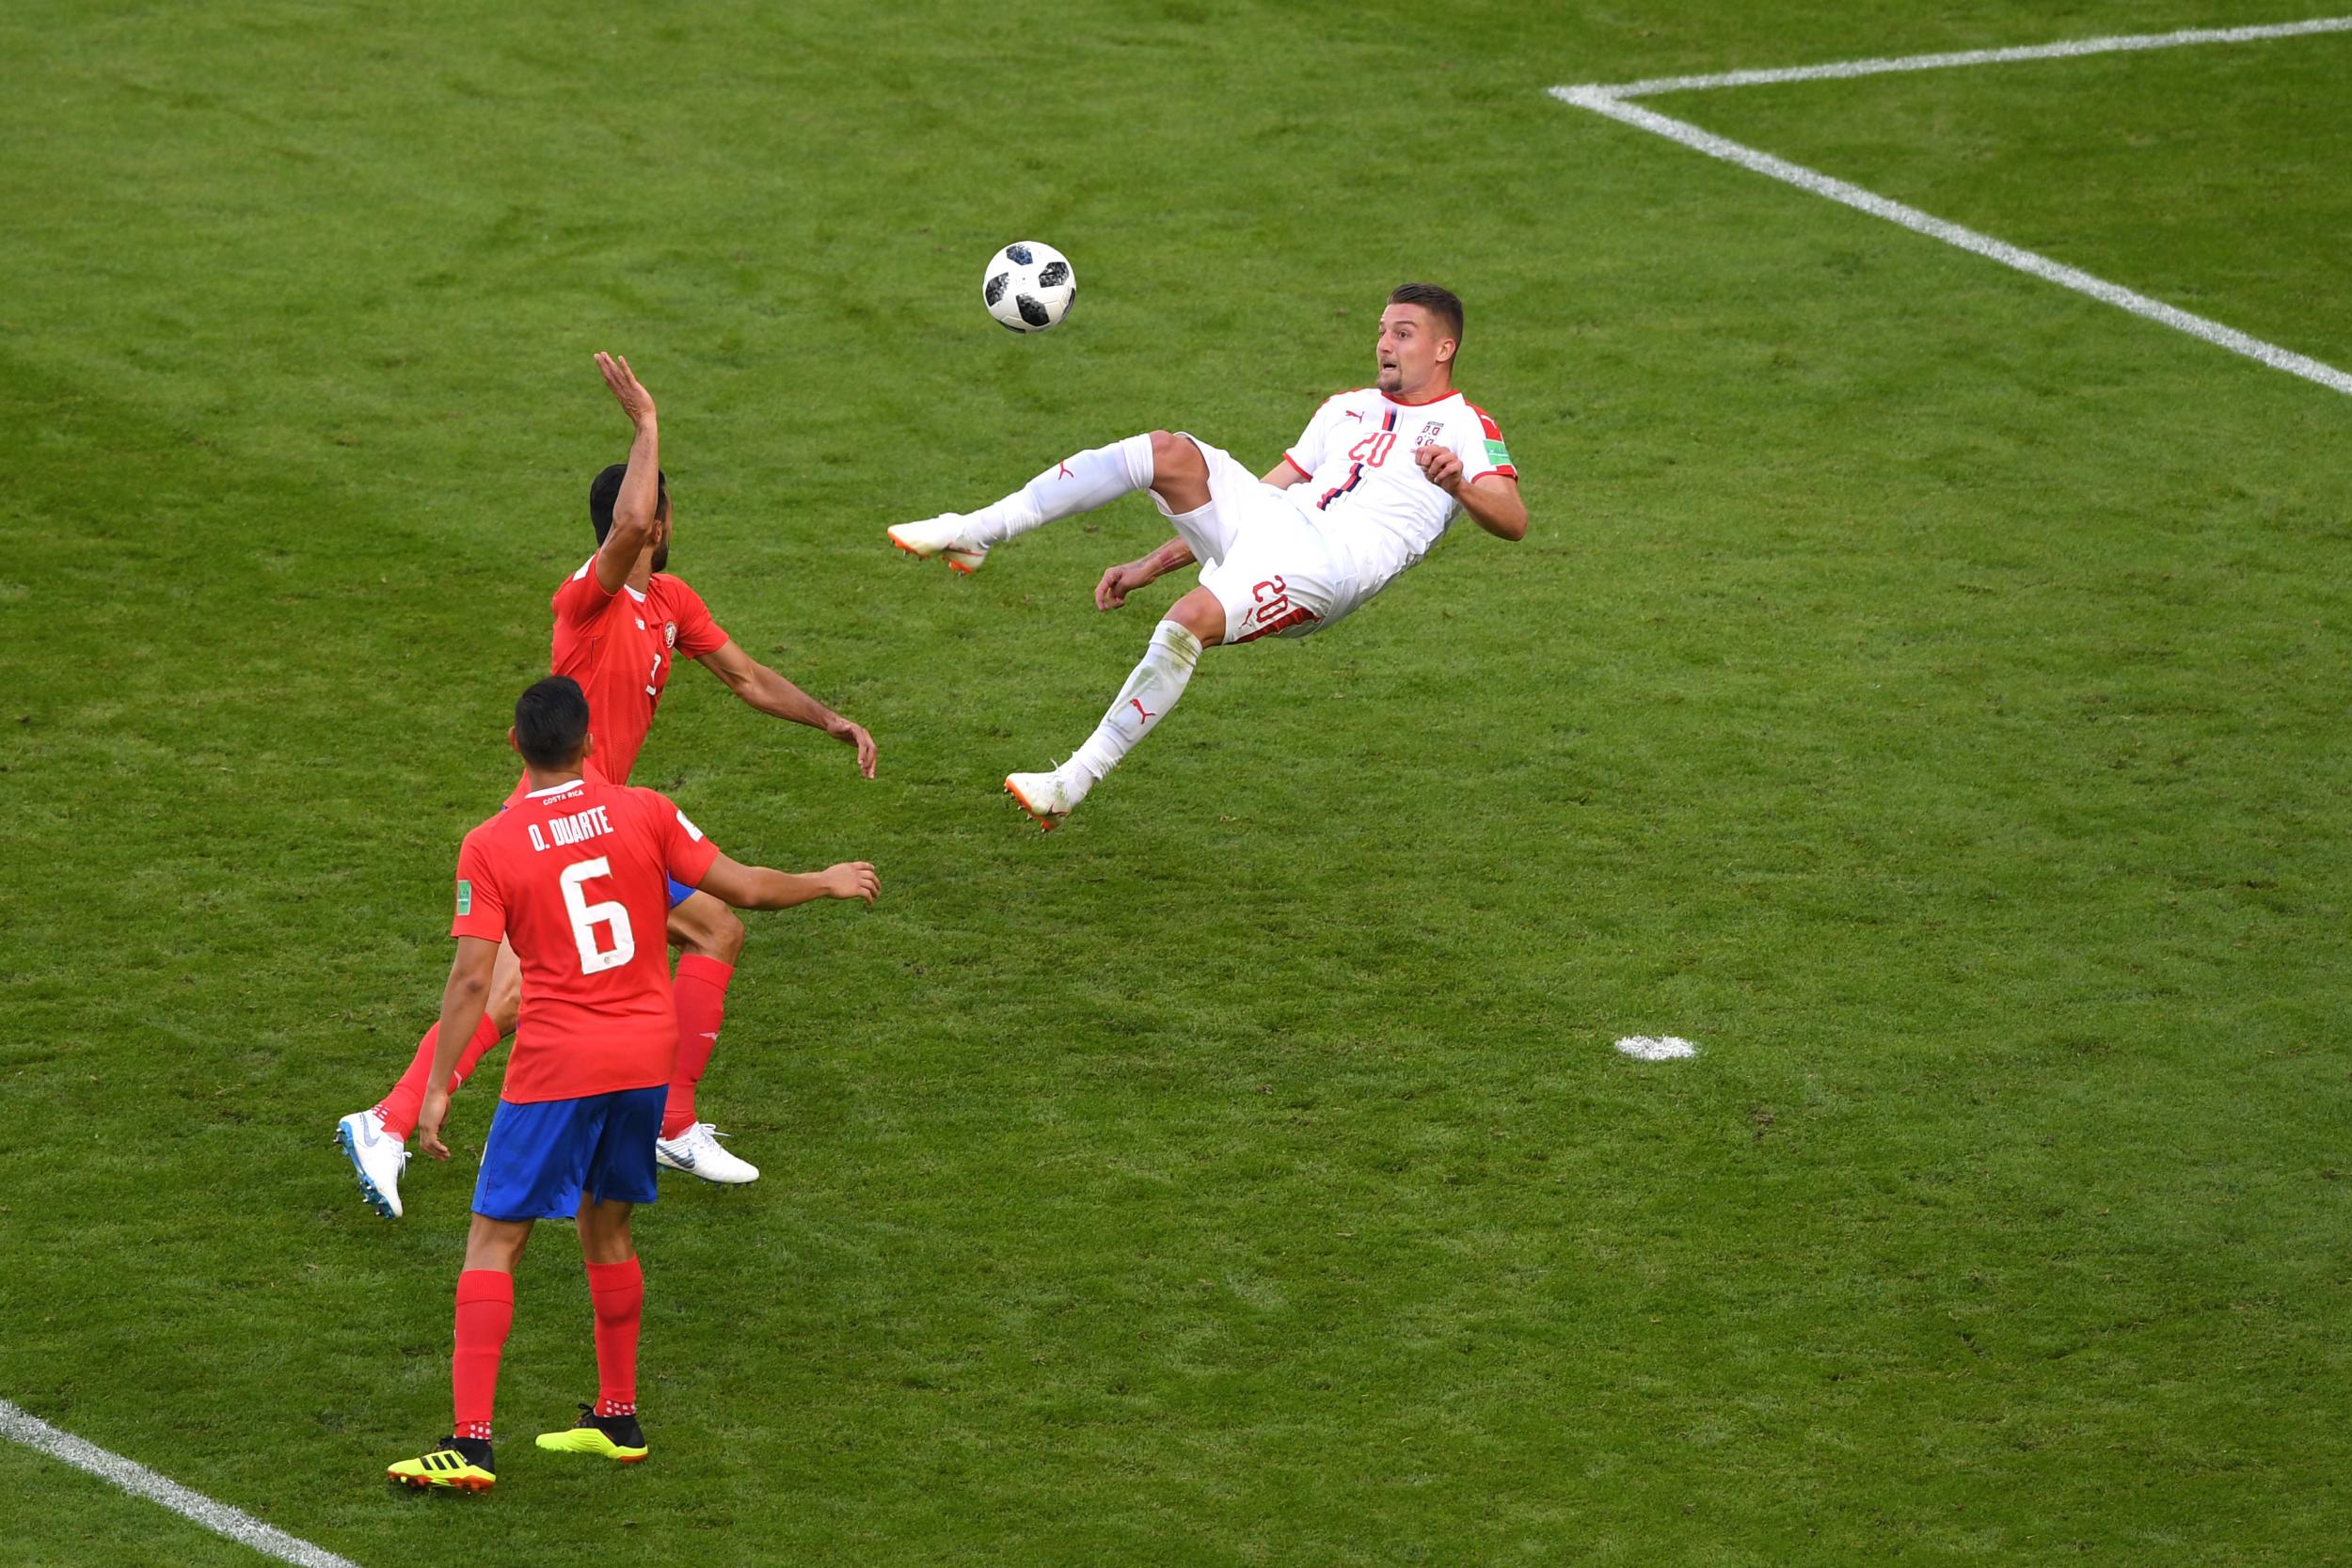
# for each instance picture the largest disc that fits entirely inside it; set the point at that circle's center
(1028, 286)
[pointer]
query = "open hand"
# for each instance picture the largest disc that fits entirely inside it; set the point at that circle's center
(852, 880)
(627, 390)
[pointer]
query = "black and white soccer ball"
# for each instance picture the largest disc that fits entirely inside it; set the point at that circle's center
(1028, 286)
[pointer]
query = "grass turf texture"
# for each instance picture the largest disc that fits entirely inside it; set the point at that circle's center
(1923, 688)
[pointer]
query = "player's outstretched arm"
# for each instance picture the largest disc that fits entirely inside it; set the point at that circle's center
(1493, 502)
(770, 692)
(756, 887)
(641, 490)
(462, 1001)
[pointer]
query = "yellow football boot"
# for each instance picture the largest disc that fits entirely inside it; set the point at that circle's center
(461, 1464)
(618, 1438)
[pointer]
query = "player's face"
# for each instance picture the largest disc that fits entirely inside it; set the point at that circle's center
(1409, 351)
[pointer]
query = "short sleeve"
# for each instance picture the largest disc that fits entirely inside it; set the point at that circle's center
(582, 598)
(685, 852)
(697, 633)
(1482, 449)
(481, 905)
(1306, 454)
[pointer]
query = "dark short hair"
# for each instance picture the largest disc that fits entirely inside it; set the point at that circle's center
(605, 489)
(1440, 303)
(551, 721)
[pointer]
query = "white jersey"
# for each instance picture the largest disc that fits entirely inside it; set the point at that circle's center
(1365, 493)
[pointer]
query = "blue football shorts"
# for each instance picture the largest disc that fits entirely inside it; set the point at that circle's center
(542, 1156)
(679, 893)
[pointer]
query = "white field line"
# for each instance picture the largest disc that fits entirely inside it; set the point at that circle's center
(140, 1481)
(1983, 56)
(1611, 100)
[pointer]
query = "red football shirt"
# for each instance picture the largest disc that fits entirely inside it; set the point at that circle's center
(619, 647)
(576, 879)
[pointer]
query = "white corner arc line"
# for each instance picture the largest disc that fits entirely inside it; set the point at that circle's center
(1606, 101)
(140, 1481)
(1980, 56)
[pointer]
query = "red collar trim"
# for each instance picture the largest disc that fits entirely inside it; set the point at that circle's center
(1449, 392)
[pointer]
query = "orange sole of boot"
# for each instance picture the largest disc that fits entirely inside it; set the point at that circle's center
(1045, 824)
(953, 565)
(426, 1483)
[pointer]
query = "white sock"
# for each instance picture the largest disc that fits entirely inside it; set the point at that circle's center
(1150, 693)
(1093, 477)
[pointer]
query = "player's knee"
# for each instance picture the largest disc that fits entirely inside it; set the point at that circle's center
(1173, 457)
(720, 936)
(1200, 613)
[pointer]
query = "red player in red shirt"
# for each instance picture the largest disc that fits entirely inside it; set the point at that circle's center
(620, 623)
(565, 877)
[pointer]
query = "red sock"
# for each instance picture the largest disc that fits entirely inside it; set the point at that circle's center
(486, 1310)
(700, 994)
(617, 1290)
(399, 1108)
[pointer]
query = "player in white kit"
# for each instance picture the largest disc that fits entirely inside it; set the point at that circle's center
(1378, 476)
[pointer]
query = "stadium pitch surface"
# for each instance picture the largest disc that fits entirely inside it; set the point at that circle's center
(1923, 689)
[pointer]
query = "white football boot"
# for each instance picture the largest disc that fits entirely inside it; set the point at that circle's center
(696, 1152)
(378, 1156)
(1049, 797)
(941, 536)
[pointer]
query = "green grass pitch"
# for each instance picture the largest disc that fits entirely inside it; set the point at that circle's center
(1923, 687)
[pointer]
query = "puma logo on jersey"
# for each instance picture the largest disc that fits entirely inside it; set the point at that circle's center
(1062, 470)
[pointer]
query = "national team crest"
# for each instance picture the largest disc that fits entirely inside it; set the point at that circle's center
(1433, 431)
(669, 634)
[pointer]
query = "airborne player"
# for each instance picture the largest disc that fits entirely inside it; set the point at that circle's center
(1379, 474)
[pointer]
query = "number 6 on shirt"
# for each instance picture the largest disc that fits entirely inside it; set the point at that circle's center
(586, 917)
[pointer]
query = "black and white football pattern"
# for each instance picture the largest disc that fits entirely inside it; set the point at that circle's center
(1028, 287)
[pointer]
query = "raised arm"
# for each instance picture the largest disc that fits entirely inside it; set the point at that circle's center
(641, 488)
(770, 692)
(757, 887)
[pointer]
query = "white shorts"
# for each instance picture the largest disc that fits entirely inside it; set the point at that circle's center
(1272, 570)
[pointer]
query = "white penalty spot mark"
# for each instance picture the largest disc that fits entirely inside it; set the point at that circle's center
(1657, 1048)
(140, 1481)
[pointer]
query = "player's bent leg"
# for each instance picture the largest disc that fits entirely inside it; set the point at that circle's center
(710, 938)
(1180, 475)
(376, 1141)
(1193, 622)
(702, 925)
(1079, 482)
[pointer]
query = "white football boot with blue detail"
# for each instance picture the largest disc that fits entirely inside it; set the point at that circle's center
(696, 1152)
(378, 1156)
